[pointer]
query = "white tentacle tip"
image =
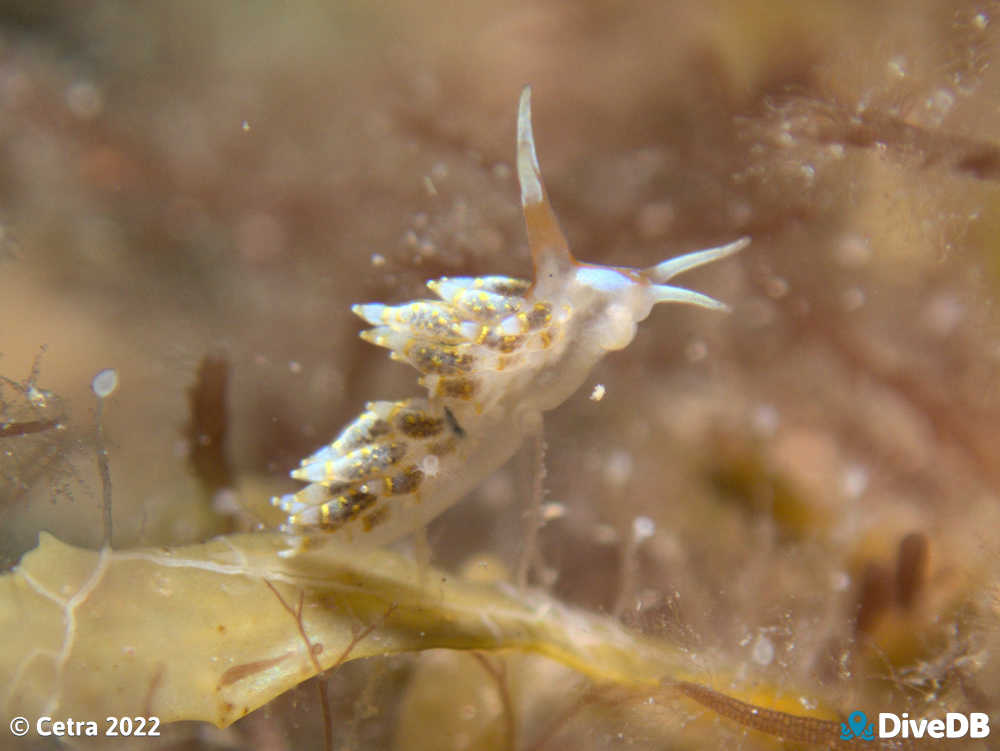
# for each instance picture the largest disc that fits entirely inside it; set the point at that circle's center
(734, 247)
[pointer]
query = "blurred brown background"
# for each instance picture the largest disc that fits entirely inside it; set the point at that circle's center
(186, 179)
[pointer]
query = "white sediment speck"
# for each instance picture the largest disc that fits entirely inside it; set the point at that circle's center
(854, 481)
(777, 287)
(37, 397)
(618, 468)
(852, 251)
(84, 100)
(105, 383)
(897, 66)
(763, 650)
(852, 299)
(553, 510)
(943, 314)
(696, 350)
(765, 420)
(643, 528)
(430, 465)
(840, 581)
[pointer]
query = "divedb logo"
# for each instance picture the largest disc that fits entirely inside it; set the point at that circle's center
(891, 725)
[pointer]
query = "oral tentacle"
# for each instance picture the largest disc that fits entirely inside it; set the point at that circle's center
(667, 293)
(667, 270)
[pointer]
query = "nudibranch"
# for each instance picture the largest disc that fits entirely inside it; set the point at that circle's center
(493, 353)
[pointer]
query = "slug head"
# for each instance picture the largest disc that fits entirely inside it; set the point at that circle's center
(611, 300)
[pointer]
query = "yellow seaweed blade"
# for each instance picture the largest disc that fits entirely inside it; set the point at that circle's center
(209, 632)
(199, 632)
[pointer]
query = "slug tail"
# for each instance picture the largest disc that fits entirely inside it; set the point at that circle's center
(549, 249)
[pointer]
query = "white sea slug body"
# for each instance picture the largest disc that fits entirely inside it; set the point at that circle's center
(494, 353)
